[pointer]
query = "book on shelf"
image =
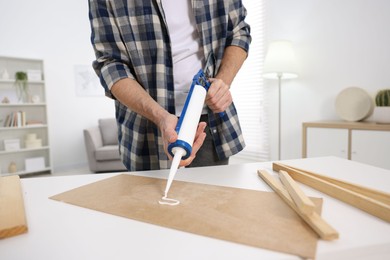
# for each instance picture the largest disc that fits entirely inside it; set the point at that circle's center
(15, 119)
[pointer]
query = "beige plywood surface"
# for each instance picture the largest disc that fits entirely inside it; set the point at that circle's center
(249, 217)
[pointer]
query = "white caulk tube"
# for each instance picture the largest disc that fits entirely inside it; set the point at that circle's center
(186, 128)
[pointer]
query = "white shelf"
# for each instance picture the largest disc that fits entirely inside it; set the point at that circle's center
(12, 128)
(23, 150)
(7, 81)
(30, 82)
(23, 105)
(20, 173)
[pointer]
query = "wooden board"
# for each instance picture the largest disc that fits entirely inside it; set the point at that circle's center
(323, 229)
(304, 204)
(12, 214)
(372, 193)
(254, 218)
(342, 191)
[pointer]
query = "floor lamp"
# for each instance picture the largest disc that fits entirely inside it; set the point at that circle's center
(279, 63)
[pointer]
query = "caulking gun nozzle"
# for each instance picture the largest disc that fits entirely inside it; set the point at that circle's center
(175, 165)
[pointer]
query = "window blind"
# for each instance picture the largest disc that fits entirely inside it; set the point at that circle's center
(248, 90)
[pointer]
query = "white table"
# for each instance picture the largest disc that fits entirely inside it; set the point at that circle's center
(63, 231)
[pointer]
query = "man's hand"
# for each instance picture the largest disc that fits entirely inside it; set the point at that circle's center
(167, 127)
(218, 96)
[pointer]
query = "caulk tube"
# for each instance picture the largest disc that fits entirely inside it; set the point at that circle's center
(186, 128)
(189, 120)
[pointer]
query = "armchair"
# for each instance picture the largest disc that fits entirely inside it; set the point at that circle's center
(101, 144)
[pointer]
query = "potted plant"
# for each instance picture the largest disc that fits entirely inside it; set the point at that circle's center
(382, 110)
(21, 84)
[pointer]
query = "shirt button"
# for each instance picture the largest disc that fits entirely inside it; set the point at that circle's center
(214, 131)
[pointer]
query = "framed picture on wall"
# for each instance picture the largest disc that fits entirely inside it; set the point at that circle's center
(34, 75)
(87, 82)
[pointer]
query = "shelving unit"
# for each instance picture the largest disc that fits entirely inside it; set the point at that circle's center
(364, 142)
(34, 156)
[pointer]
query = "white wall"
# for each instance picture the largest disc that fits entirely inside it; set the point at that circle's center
(57, 32)
(338, 44)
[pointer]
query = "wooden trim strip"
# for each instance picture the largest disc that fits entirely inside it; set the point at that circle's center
(347, 192)
(374, 194)
(12, 214)
(303, 202)
(322, 228)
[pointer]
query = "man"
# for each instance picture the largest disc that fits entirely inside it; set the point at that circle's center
(147, 53)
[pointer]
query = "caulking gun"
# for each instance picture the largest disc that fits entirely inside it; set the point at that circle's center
(187, 124)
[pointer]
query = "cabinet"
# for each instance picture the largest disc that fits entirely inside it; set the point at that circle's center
(364, 142)
(24, 136)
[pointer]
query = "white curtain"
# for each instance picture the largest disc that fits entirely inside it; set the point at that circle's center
(248, 90)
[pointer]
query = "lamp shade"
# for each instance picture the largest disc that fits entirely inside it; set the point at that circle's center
(280, 61)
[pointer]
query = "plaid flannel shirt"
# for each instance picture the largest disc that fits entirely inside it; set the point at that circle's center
(131, 40)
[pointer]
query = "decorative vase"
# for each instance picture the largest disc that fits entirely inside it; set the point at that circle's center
(23, 93)
(4, 74)
(381, 115)
(12, 167)
(22, 89)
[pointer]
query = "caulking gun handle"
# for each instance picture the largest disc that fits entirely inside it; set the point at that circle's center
(207, 86)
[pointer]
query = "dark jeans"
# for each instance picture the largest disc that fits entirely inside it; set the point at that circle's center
(207, 156)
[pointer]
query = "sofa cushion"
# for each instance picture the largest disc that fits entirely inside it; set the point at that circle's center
(108, 152)
(109, 131)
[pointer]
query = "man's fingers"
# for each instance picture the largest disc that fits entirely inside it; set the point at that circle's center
(168, 133)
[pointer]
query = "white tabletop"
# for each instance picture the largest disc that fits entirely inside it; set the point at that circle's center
(63, 231)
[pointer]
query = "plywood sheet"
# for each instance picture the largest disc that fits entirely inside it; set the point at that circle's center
(12, 215)
(254, 218)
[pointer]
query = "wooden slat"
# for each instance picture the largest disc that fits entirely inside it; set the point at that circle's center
(12, 214)
(304, 204)
(356, 199)
(318, 224)
(374, 194)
